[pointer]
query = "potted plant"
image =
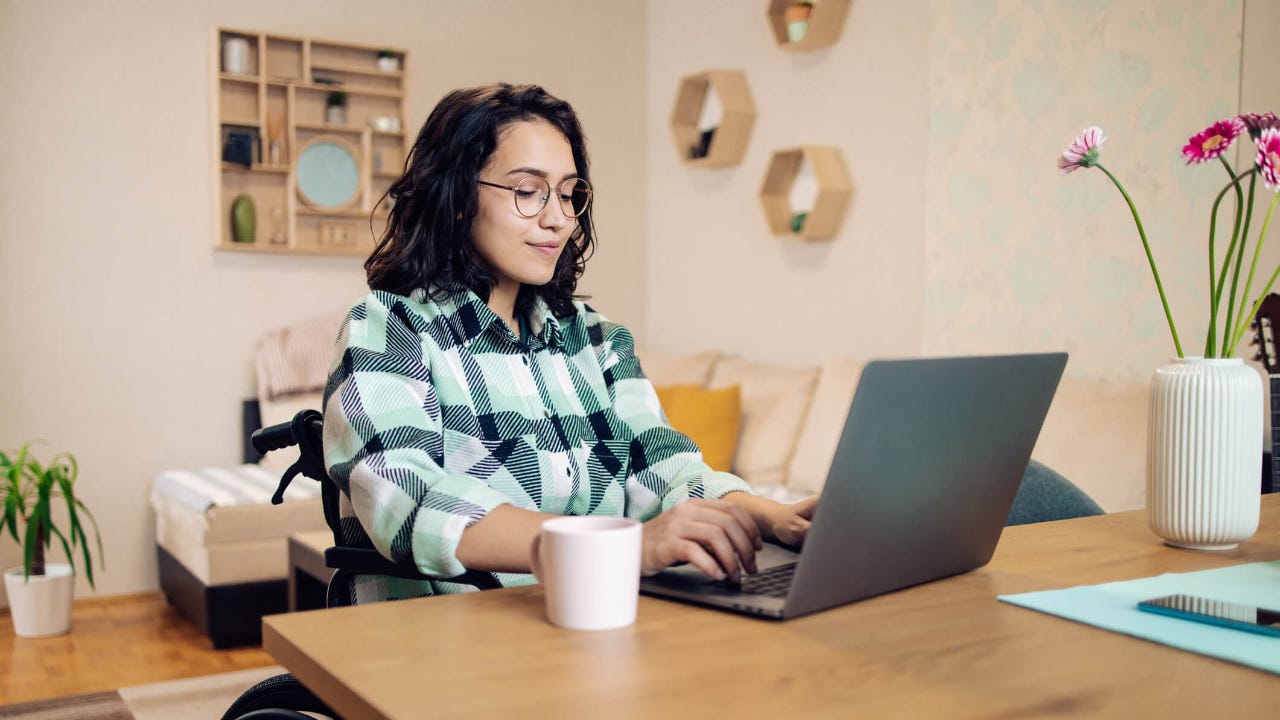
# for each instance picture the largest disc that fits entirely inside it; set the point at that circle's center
(336, 108)
(796, 18)
(39, 592)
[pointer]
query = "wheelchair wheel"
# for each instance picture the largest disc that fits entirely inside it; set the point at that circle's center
(280, 697)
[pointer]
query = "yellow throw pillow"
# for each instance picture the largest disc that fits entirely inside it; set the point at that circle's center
(711, 419)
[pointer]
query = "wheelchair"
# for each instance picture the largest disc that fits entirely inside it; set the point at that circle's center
(283, 697)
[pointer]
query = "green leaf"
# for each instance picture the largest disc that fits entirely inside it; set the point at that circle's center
(102, 558)
(43, 510)
(11, 504)
(66, 547)
(29, 550)
(74, 467)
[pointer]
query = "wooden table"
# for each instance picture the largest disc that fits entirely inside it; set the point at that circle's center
(946, 649)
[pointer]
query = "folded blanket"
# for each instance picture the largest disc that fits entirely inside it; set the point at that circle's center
(296, 359)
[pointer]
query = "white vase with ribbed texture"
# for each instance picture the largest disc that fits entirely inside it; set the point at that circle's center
(1204, 453)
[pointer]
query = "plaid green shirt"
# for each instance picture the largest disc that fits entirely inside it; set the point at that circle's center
(436, 413)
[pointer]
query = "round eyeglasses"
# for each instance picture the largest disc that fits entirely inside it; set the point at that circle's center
(532, 193)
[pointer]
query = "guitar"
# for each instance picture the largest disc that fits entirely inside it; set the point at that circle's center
(1264, 324)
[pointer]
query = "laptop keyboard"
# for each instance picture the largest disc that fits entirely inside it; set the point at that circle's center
(774, 582)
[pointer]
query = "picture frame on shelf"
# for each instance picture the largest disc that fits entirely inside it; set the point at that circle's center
(240, 145)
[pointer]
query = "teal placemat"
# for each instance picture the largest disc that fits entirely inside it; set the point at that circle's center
(1113, 606)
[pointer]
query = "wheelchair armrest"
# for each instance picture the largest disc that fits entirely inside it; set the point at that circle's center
(371, 562)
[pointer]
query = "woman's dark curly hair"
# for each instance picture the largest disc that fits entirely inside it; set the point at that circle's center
(427, 243)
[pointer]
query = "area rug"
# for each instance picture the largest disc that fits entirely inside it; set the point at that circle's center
(195, 698)
(199, 698)
(97, 706)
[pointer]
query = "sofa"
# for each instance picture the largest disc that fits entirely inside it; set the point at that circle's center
(791, 419)
(222, 548)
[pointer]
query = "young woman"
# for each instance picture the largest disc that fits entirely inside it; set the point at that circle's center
(474, 397)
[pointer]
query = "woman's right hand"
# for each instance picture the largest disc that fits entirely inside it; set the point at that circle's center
(715, 536)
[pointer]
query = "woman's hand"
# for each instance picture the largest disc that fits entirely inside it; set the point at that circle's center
(715, 536)
(790, 523)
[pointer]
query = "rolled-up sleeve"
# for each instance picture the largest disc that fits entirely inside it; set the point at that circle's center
(666, 466)
(384, 442)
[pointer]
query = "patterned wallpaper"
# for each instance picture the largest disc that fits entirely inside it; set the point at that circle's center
(1017, 256)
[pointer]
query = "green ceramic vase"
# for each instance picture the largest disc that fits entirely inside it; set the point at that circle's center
(243, 221)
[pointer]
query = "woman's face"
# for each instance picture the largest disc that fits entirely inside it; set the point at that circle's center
(523, 250)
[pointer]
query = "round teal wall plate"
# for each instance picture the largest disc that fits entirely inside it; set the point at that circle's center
(328, 173)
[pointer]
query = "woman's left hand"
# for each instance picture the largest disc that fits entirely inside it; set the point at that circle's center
(790, 523)
(787, 523)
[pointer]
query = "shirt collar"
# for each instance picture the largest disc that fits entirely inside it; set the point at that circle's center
(544, 325)
(470, 317)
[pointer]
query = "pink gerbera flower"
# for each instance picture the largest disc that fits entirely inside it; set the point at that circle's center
(1083, 151)
(1269, 157)
(1257, 122)
(1212, 141)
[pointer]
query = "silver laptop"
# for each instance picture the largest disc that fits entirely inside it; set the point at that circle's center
(931, 457)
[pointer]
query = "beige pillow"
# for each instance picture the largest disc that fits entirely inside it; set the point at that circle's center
(774, 402)
(667, 369)
(823, 425)
(1095, 435)
(282, 409)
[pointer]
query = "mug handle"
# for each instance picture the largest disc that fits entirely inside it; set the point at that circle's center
(535, 556)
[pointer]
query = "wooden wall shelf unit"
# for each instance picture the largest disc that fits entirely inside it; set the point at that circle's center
(834, 189)
(825, 23)
(273, 91)
(728, 143)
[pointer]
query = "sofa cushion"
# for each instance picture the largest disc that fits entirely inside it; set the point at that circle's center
(667, 369)
(774, 402)
(710, 418)
(823, 424)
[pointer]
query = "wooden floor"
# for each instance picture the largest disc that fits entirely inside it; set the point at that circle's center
(114, 642)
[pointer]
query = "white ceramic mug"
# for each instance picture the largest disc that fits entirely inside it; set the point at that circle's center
(589, 568)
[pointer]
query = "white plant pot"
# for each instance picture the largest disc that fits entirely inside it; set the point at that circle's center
(1204, 453)
(41, 604)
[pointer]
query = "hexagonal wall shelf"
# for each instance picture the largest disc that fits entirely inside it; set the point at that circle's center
(820, 27)
(720, 140)
(830, 195)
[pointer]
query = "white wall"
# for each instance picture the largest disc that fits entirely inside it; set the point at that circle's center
(717, 278)
(961, 237)
(125, 338)
(1018, 257)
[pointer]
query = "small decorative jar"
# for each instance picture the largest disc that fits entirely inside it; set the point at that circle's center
(235, 56)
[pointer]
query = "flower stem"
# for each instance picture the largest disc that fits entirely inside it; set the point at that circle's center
(1239, 259)
(1244, 321)
(1244, 240)
(1216, 286)
(1212, 332)
(1150, 260)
